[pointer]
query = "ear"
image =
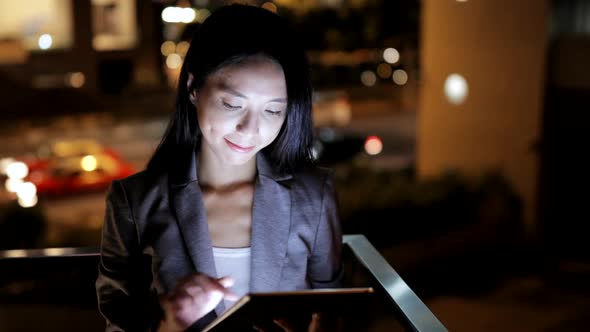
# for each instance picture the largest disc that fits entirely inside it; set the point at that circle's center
(192, 94)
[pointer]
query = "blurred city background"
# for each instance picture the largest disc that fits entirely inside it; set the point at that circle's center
(456, 128)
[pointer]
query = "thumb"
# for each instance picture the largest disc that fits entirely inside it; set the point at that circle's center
(226, 281)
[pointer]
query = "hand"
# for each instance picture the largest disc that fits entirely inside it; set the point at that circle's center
(193, 297)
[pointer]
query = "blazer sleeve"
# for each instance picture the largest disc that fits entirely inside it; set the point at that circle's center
(122, 285)
(325, 263)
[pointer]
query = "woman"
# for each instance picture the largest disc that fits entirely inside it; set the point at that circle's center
(229, 203)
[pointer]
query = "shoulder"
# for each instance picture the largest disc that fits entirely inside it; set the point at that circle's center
(312, 183)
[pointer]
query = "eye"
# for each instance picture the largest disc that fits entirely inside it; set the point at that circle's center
(271, 112)
(230, 106)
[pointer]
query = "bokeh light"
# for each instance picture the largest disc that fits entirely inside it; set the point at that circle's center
(17, 170)
(384, 70)
(45, 41)
(178, 14)
(456, 89)
(368, 78)
(373, 145)
(270, 6)
(400, 77)
(391, 55)
(168, 47)
(182, 48)
(76, 79)
(173, 61)
(88, 163)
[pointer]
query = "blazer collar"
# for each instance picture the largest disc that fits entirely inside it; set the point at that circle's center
(185, 172)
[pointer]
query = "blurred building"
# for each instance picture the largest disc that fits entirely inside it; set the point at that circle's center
(509, 94)
(92, 46)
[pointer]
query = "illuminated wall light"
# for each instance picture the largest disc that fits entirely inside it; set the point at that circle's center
(384, 70)
(88, 163)
(182, 48)
(373, 145)
(368, 78)
(76, 79)
(17, 170)
(167, 48)
(178, 14)
(456, 89)
(173, 61)
(170, 14)
(45, 41)
(391, 55)
(270, 6)
(400, 77)
(188, 15)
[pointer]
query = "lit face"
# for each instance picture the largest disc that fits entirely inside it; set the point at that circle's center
(241, 109)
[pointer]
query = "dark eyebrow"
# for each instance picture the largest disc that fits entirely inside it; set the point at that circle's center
(225, 88)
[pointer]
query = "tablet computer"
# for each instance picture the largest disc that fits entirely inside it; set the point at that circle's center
(260, 309)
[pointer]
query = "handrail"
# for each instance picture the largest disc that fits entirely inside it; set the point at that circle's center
(49, 252)
(418, 316)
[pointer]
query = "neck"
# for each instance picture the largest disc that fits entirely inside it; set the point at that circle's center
(213, 173)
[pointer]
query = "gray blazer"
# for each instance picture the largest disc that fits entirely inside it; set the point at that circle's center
(155, 233)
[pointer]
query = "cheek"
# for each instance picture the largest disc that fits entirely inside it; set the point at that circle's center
(274, 129)
(213, 122)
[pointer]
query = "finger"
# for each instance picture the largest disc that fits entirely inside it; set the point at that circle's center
(196, 290)
(209, 285)
(314, 325)
(284, 324)
(226, 281)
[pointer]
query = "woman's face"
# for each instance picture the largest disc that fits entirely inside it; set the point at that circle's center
(241, 109)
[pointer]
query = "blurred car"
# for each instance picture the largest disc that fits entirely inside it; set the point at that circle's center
(65, 167)
(331, 108)
(63, 148)
(71, 175)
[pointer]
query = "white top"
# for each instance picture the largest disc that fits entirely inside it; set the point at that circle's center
(234, 262)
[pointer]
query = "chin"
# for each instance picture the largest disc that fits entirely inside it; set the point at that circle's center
(236, 159)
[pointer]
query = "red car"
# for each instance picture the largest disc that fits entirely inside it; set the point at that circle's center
(72, 167)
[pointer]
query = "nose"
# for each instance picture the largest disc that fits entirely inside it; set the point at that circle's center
(248, 124)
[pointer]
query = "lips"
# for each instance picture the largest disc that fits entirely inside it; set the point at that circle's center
(238, 148)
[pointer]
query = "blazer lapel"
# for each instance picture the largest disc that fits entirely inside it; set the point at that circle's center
(191, 217)
(271, 221)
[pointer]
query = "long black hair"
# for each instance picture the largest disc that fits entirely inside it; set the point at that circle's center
(230, 35)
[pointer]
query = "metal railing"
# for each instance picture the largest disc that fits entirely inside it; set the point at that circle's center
(409, 308)
(412, 309)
